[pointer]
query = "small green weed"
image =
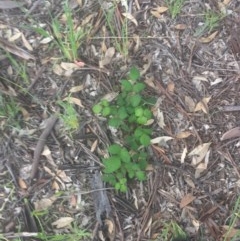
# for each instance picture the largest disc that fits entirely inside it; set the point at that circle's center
(174, 7)
(235, 217)
(120, 42)
(8, 111)
(130, 113)
(211, 21)
(75, 233)
(172, 231)
(67, 36)
(69, 116)
(19, 67)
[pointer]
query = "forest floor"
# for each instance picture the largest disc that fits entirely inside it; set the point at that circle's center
(60, 58)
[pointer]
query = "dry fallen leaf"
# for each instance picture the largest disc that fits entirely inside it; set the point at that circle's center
(199, 152)
(180, 26)
(130, 17)
(183, 134)
(55, 186)
(161, 140)
(108, 57)
(159, 116)
(57, 69)
(233, 133)
(160, 9)
(201, 167)
(73, 100)
(203, 105)
(171, 87)
(184, 154)
(25, 113)
(209, 38)
(44, 203)
(189, 182)
(230, 232)
(189, 102)
(69, 66)
(26, 43)
(77, 88)
(110, 96)
(156, 14)
(7, 46)
(226, 2)
(63, 222)
(15, 37)
(22, 184)
(187, 199)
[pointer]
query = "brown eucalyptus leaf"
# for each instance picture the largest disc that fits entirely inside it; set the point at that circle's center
(63, 222)
(209, 38)
(130, 17)
(187, 199)
(233, 133)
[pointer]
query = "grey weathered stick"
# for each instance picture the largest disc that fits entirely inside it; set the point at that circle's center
(100, 198)
(40, 145)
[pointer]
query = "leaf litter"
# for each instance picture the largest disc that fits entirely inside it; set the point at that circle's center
(187, 178)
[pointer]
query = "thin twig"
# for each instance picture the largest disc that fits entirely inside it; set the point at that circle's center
(40, 145)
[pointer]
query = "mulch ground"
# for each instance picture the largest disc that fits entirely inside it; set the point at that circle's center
(193, 71)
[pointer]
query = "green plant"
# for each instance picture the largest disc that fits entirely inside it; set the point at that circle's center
(69, 115)
(172, 231)
(19, 67)
(174, 7)
(233, 222)
(211, 21)
(67, 36)
(8, 111)
(75, 233)
(121, 40)
(129, 112)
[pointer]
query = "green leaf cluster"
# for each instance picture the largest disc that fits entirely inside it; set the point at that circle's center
(129, 112)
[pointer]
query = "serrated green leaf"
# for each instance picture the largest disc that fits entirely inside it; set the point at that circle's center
(115, 149)
(139, 111)
(143, 163)
(126, 85)
(135, 100)
(97, 109)
(111, 164)
(130, 110)
(140, 175)
(132, 119)
(131, 173)
(125, 156)
(115, 122)
(106, 111)
(147, 131)
(122, 113)
(138, 132)
(123, 188)
(142, 120)
(105, 103)
(120, 100)
(145, 140)
(147, 113)
(138, 87)
(134, 73)
(117, 186)
(109, 178)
